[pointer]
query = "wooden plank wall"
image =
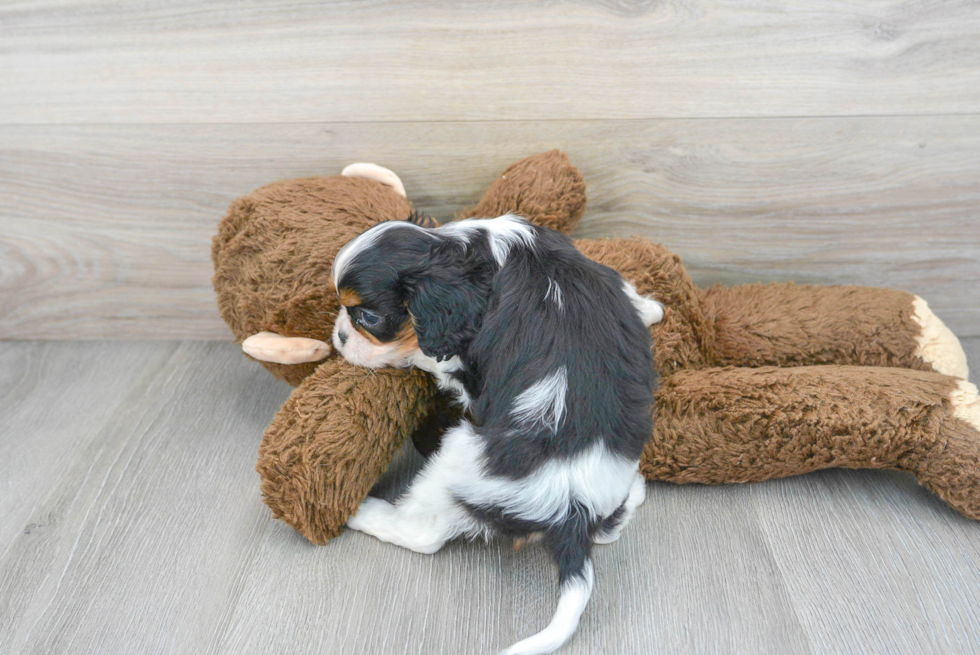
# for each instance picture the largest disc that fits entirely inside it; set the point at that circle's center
(813, 141)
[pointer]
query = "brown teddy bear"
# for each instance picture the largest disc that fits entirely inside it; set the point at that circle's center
(756, 382)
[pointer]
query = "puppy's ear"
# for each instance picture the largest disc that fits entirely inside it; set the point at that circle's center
(447, 298)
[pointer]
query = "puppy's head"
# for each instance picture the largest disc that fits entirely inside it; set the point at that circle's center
(407, 291)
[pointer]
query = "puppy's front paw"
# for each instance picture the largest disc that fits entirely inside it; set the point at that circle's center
(371, 516)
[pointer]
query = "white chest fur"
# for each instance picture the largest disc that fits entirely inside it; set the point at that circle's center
(443, 373)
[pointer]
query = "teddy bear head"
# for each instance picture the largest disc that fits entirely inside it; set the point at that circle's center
(275, 247)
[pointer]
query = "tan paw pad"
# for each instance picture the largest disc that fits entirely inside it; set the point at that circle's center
(966, 403)
(937, 344)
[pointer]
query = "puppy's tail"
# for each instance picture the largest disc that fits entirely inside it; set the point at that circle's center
(570, 544)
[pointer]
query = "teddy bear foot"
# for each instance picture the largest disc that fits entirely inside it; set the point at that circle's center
(936, 343)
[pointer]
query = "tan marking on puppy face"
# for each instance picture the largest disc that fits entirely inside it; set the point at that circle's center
(362, 348)
(404, 342)
(349, 297)
(367, 335)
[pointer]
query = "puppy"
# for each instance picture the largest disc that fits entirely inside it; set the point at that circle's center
(549, 352)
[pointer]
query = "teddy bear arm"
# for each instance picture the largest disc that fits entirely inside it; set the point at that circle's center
(333, 438)
(724, 425)
(799, 325)
(546, 189)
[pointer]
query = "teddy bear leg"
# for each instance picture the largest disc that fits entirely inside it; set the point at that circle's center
(801, 325)
(725, 425)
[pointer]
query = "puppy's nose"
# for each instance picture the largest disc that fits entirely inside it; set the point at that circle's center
(342, 336)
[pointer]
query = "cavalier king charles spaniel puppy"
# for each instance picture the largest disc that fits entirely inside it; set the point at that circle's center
(549, 353)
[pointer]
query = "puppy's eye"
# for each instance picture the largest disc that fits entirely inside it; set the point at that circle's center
(369, 318)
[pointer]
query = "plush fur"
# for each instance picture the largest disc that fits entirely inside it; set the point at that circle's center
(757, 381)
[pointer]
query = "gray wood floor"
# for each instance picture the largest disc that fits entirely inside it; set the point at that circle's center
(131, 523)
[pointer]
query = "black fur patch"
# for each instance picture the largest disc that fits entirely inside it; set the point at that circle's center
(597, 337)
(447, 294)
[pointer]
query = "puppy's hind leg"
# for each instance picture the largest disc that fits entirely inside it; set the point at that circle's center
(427, 515)
(612, 527)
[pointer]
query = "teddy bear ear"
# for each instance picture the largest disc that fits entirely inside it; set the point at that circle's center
(377, 173)
(275, 348)
(546, 189)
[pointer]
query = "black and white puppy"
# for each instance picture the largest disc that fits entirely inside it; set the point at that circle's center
(550, 353)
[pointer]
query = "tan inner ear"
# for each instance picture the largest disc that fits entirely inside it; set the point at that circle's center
(275, 348)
